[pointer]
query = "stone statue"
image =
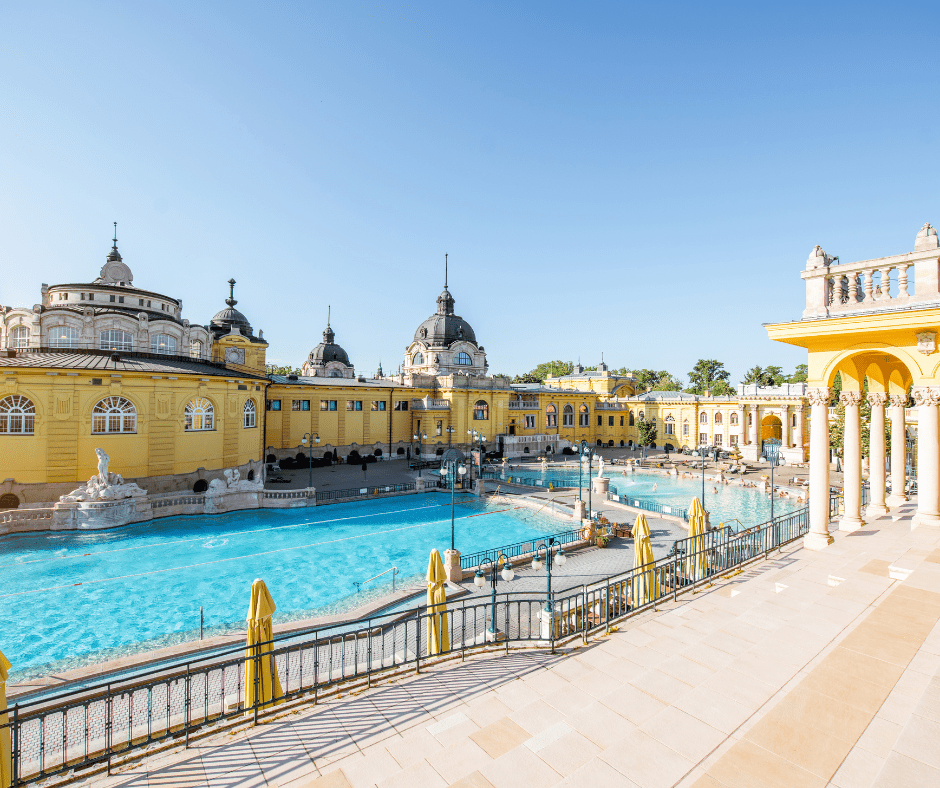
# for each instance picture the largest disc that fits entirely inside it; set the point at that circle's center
(105, 486)
(600, 466)
(233, 482)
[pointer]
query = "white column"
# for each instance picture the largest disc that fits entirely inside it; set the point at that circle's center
(898, 451)
(818, 536)
(928, 458)
(798, 438)
(851, 462)
(876, 456)
(742, 425)
(755, 427)
(785, 427)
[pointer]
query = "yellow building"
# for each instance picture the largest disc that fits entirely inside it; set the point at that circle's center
(105, 364)
(875, 322)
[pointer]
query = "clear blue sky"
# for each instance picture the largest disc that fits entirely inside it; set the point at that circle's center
(645, 180)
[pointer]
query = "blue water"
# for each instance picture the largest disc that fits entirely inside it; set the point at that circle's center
(70, 599)
(723, 502)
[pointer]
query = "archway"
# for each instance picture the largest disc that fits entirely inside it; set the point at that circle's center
(9, 501)
(771, 427)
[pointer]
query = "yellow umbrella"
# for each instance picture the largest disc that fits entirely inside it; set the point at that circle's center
(697, 565)
(644, 582)
(261, 679)
(438, 630)
(6, 749)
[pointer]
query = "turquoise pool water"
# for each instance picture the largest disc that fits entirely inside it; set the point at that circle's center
(724, 502)
(76, 598)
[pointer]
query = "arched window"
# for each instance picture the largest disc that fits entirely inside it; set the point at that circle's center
(463, 359)
(669, 426)
(115, 339)
(641, 415)
(113, 414)
(734, 419)
(584, 416)
(195, 348)
(551, 416)
(163, 343)
(793, 421)
(19, 338)
(63, 336)
(199, 415)
(335, 373)
(17, 416)
(631, 419)
(417, 359)
(703, 418)
(567, 416)
(249, 413)
(717, 418)
(481, 410)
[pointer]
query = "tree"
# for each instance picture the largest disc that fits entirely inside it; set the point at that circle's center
(274, 369)
(754, 375)
(543, 370)
(800, 375)
(765, 376)
(647, 432)
(656, 380)
(706, 374)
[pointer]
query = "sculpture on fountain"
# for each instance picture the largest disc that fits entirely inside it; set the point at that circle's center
(105, 486)
(234, 483)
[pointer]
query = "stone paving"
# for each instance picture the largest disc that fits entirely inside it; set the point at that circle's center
(806, 669)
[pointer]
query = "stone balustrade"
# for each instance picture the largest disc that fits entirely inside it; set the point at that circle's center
(523, 404)
(430, 404)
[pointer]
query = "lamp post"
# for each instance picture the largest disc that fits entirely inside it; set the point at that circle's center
(308, 440)
(560, 557)
(480, 579)
(418, 436)
(478, 436)
(586, 451)
(701, 450)
(772, 453)
(450, 431)
(452, 467)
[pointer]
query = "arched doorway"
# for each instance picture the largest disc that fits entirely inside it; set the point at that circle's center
(771, 427)
(9, 501)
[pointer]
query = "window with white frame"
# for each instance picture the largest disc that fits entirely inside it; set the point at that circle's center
(584, 416)
(717, 418)
(18, 338)
(195, 348)
(551, 416)
(718, 439)
(703, 439)
(530, 421)
(199, 415)
(163, 343)
(732, 440)
(113, 415)
(703, 418)
(669, 426)
(685, 428)
(567, 416)
(249, 413)
(115, 339)
(734, 419)
(17, 415)
(64, 336)
(463, 359)
(417, 359)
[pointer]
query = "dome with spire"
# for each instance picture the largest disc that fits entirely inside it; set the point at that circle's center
(444, 328)
(230, 318)
(328, 359)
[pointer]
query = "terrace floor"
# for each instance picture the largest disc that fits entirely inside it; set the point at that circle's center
(807, 669)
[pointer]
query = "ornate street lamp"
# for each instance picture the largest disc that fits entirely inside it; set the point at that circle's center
(308, 440)
(480, 437)
(558, 557)
(480, 579)
(419, 436)
(585, 451)
(453, 467)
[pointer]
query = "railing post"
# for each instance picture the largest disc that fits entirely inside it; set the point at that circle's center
(15, 754)
(257, 677)
(584, 613)
(418, 641)
(107, 728)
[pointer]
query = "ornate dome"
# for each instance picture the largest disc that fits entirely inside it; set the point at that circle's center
(230, 317)
(328, 351)
(926, 239)
(444, 328)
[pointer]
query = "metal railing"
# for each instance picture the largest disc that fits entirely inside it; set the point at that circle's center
(92, 725)
(363, 492)
(516, 549)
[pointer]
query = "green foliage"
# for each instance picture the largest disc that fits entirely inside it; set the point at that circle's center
(705, 375)
(647, 432)
(837, 428)
(774, 376)
(274, 369)
(656, 380)
(543, 370)
(800, 375)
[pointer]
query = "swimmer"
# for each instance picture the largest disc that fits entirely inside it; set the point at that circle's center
(715, 490)
(654, 487)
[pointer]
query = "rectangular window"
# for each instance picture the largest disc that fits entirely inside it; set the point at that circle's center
(732, 440)
(440, 428)
(621, 421)
(140, 301)
(91, 296)
(402, 404)
(530, 422)
(112, 298)
(379, 404)
(148, 303)
(685, 430)
(300, 404)
(354, 404)
(718, 440)
(610, 421)
(600, 421)
(121, 299)
(327, 404)
(83, 296)
(703, 439)
(272, 404)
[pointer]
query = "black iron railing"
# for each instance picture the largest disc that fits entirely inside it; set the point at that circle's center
(364, 491)
(514, 550)
(93, 725)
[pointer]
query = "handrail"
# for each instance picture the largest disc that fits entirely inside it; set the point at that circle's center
(90, 726)
(393, 570)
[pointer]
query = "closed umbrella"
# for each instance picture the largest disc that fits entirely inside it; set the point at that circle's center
(438, 630)
(644, 582)
(6, 749)
(697, 565)
(262, 684)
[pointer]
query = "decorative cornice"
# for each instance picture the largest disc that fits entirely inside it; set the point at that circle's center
(877, 400)
(848, 398)
(899, 400)
(819, 396)
(926, 396)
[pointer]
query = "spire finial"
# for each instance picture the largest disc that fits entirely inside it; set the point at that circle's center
(327, 315)
(115, 235)
(231, 293)
(445, 270)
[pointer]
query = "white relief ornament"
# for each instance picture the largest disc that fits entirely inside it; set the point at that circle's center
(819, 396)
(926, 342)
(899, 400)
(877, 400)
(926, 396)
(851, 398)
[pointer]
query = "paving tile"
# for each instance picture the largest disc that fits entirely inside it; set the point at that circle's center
(417, 775)
(745, 689)
(568, 752)
(499, 737)
(681, 667)
(363, 771)
(879, 737)
(687, 735)
(487, 709)
(747, 765)
(897, 708)
(474, 780)
(414, 746)
(858, 770)
(568, 700)
(633, 704)
(332, 780)
(288, 766)
(646, 761)
(452, 727)
(861, 694)
(597, 684)
(661, 686)
(596, 774)
(537, 716)
(519, 767)
(246, 777)
(900, 771)
(601, 724)
(459, 760)
(920, 740)
(718, 711)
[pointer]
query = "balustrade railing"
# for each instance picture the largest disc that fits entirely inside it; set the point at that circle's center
(430, 404)
(363, 492)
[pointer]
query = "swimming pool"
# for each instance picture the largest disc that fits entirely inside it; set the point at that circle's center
(723, 501)
(82, 597)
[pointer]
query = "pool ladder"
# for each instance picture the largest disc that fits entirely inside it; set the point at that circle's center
(394, 570)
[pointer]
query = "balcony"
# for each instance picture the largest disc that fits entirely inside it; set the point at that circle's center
(430, 404)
